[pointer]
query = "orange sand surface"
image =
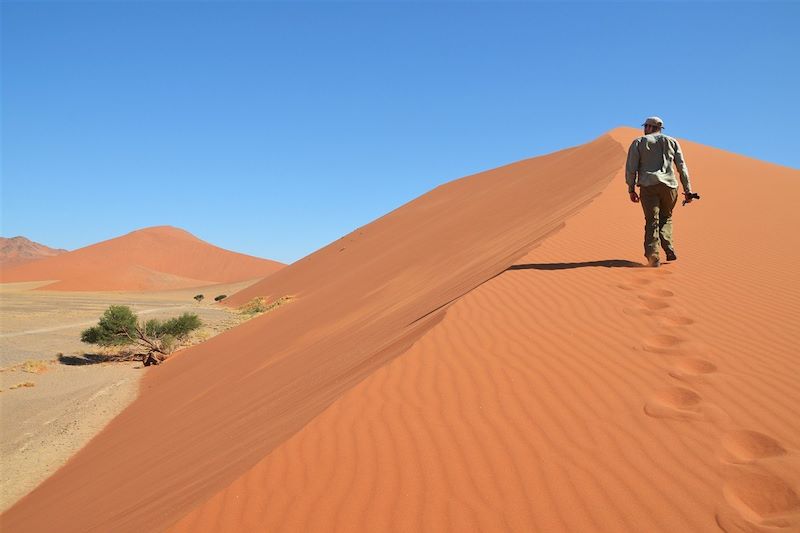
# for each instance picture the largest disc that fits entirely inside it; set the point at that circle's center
(151, 259)
(437, 370)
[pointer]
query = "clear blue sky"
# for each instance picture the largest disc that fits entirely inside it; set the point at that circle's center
(274, 128)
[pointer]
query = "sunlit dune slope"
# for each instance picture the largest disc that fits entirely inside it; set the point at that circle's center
(215, 411)
(156, 258)
(576, 391)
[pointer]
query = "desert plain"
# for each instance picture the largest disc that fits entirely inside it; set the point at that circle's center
(491, 356)
(58, 392)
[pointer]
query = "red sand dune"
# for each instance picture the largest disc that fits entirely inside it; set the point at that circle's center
(416, 383)
(18, 250)
(156, 258)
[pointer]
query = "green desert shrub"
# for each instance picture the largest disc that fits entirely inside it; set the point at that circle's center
(114, 328)
(220, 297)
(119, 326)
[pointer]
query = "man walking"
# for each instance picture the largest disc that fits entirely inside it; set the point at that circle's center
(651, 165)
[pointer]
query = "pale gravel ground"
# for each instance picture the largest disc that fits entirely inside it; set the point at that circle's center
(43, 425)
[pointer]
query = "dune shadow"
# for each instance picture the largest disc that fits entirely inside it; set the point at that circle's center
(606, 263)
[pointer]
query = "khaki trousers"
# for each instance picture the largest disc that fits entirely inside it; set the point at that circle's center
(658, 201)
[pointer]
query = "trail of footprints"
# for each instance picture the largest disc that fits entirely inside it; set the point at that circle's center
(758, 500)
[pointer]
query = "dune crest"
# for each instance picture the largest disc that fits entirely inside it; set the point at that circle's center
(557, 397)
(156, 258)
(219, 408)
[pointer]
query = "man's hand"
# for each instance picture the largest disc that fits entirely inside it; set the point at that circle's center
(634, 197)
(687, 197)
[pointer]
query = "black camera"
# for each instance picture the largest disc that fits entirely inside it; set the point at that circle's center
(690, 196)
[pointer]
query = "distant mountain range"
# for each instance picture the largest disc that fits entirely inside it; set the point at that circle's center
(18, 250)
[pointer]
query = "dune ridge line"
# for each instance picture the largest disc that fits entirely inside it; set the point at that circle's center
(219, 408)
(575, 391)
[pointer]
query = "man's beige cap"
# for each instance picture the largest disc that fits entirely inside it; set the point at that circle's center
(653, 121)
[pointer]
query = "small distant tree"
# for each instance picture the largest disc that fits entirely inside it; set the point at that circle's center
(220, 297)
(199, 297)
(119, 326)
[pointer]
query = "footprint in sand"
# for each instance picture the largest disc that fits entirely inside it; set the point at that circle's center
(674, 402)
(760, 502)
(692, 369)
(660, 293)
(667, 321)
(684, 404)
(661, 343)
(676, 321)
(653, 304)
(638, 311)
(745, 446)
(653, 298)
(641, 280)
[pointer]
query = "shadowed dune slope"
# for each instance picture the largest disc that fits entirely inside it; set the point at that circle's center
(215, 411)
(156, 258)
(576, 391)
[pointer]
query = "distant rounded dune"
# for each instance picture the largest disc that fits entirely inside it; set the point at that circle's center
(156, 258)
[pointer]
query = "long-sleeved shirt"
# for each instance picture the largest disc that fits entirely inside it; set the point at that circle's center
(650, 161)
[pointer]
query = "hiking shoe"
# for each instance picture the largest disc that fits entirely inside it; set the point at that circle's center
(671, 255)
(653, 261)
